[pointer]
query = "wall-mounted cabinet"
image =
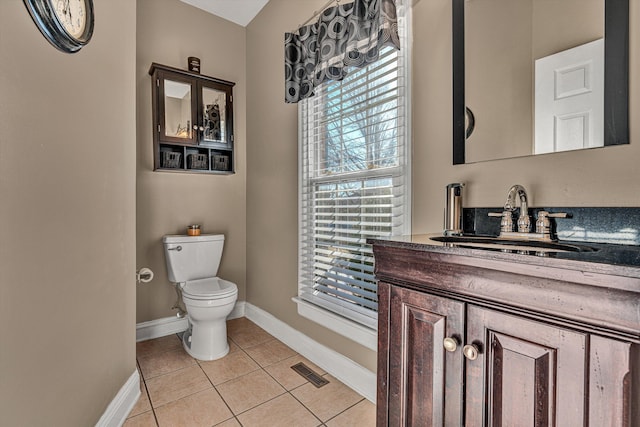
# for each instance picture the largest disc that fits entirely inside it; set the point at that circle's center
(192, 121)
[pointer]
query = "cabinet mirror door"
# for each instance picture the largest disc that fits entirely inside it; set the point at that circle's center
(178, 110)
(214, 116)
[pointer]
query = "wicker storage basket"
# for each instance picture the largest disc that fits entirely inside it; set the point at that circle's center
(197, 161)
(170, 160)
(220, 162)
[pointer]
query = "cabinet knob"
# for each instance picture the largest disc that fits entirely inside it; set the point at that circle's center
(450, 344)
(201, 129)
(195, 127)
(470, 351)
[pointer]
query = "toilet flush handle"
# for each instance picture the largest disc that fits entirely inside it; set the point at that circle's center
(177, 248)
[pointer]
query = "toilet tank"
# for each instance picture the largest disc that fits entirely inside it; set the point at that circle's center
(192, 257)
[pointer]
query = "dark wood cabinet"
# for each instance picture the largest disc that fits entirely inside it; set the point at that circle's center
(419, 325)
(455, 350)
(526, 372)
(192, 121)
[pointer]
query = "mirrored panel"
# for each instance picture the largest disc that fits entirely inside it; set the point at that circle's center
(177, 109)
(538, 76)
(214, 115)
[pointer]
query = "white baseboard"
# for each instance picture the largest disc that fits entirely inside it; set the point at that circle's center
(173, 325)
(344, 369)
(121, 405)
(160, 328)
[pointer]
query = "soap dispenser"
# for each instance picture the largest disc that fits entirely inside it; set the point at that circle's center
(453, 210)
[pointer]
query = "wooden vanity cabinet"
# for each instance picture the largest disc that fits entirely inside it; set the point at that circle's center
(508, 365)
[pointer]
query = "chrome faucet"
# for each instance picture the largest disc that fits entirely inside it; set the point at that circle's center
(544, 230)
(524, 222)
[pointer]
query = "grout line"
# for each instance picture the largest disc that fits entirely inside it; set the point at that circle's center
(216, 390)
(146, 390)
(346, 409)
(305, 406)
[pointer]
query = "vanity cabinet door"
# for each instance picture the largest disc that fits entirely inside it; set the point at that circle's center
(614, 383)
(526, 373)
(425, 380)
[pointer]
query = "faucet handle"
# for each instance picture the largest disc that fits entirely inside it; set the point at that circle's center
(524, 222)
(543, 225)
(506, 223)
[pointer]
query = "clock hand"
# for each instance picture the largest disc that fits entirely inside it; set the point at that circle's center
(69, 9)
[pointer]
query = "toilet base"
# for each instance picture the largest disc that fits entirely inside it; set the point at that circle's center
(205, 345)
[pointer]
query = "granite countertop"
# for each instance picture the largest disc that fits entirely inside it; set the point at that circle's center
(605, 258)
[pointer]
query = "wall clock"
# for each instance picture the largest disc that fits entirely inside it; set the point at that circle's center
(67, 24)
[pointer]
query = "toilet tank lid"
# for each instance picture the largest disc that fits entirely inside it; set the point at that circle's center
(182, 238)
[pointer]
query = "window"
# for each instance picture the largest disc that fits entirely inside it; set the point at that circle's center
(354, 182)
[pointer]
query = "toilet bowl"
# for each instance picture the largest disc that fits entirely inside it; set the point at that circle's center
(192, 264)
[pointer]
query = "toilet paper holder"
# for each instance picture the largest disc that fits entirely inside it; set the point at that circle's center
(144, 275)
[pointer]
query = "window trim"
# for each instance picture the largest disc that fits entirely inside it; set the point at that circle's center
(346, 327)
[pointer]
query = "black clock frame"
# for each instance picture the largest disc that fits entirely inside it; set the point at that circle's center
(52, 29)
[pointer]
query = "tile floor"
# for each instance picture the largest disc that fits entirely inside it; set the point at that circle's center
(253, 385)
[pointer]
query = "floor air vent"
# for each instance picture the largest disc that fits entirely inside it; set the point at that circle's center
(310, 375)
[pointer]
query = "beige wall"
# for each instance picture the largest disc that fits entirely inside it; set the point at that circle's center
(67, 219)
(272, 177)
(168, 32)
(603, 177)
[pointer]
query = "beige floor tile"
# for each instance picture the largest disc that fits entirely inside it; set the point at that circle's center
(142, 405)
(240, 323)
(282, 411)
(249, 336)
(270, 352)
(203, 409)
(287, 377)
(143, 420)
(158, 345)
(233, 347)
(361, 415)
(249, 391)
(229, 423)
(327, 401)
(154, 364)
(176, 385)
(233, 365)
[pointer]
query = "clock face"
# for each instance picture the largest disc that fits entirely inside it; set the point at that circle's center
(72, 14)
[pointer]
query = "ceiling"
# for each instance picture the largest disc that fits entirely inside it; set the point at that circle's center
(240, 12)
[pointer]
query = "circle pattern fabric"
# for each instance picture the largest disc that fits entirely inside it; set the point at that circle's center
(344, 37)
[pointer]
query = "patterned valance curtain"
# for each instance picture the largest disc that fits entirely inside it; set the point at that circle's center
(344, 37)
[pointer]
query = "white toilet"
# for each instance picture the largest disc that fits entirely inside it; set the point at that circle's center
(192, 264)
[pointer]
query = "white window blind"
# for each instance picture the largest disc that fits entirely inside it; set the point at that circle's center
(354, 183)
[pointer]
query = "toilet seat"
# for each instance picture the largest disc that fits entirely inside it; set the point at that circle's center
(210, 288)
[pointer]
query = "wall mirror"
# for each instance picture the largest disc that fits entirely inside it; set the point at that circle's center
(538, 76)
